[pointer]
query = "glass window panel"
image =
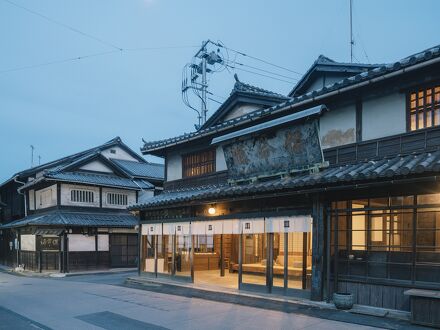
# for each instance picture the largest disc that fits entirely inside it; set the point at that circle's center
(400, 272)
(402, 200)
(428, 199)
(182, 259)
(428, 273)
(358, 233)
(379, 202)
(254, 259)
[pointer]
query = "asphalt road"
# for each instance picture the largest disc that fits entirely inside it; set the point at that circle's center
(101, 302)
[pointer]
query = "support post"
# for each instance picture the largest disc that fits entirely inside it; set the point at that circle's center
(286, 261)
(240, 260)
(222, 262)
(140, 248)
(269, 262)
(317, 250)
(191, 257)
(328, 256)
(304, 262)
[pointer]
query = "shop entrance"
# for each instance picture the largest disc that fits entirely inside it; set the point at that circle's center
(216, 260)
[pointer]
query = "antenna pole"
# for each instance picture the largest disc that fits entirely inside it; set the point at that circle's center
(32, 155)
(204, 83)
(351, 31)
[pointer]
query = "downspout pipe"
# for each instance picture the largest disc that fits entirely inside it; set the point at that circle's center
(22, 193)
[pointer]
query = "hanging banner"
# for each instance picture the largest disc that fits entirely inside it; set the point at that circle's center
(152, 229)
(169, 229)
(289, 224)
(182, 228)
(252, 226)
(231, 226)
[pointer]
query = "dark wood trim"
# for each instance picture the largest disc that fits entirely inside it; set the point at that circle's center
(199, 164)
(423, 140)
(100, 197)
(58, 194)
(201, 180)
(358, 120)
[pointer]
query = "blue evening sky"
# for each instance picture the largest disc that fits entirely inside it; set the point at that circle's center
(66, 107)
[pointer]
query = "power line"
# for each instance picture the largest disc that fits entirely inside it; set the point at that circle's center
(66, 26)
(262, 70)
(260, 74)
(82, 57)
(258, 59)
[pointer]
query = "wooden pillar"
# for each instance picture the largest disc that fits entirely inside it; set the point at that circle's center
(96, 250)
(304, 261)
(222, 263)
(286, 260)
(140, 247)
(317, 250)
(191, 257)
(240, 260)
(269, 262)
(328, 256)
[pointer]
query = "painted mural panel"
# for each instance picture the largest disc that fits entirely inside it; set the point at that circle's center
(296, 147)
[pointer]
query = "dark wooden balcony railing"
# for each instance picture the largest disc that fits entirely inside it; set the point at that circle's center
(403, 144)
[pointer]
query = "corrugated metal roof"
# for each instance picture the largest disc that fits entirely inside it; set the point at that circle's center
(59, 218)
(146, 170)
(396, 167)
(381, 70)
(103, 180)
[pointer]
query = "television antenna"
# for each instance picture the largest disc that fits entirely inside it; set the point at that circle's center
(351, 31)
(195, 78)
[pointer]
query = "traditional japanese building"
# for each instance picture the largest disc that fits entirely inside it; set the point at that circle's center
(335, 188)
(71, 214)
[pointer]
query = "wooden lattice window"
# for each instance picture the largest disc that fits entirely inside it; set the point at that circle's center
(198, 163)
(424, 108)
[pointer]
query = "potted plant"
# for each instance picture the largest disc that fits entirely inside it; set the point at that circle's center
(343, 300)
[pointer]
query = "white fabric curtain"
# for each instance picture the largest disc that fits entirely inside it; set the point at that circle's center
(182, 228)
(289, 224)
(152, 229)
(252, 226)
(198, 228)
(169, 229)
(231, 226)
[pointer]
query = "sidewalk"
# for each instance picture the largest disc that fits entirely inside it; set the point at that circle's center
(363, 315)
(30, 273)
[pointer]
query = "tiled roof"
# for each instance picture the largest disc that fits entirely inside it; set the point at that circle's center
(379, 71)
(240, 86)
(59, 218)
(68, 161)
(98, 179)
(392, 168)
(146, 170)
(325, 64)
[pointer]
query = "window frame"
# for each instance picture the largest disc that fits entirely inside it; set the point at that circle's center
(116, 199)
(82, 196)
(432, 86)
(186, 167)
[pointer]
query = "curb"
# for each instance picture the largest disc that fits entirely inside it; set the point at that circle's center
(322, 310)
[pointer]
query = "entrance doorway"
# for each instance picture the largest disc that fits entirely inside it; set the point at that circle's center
(123, 250)
(216, 260)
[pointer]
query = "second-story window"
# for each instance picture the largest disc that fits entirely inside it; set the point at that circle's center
(198, 163)
(424, 108)
(81, 196)
(117, 199)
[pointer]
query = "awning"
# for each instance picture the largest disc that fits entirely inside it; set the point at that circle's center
(269, 124)
(54, 231)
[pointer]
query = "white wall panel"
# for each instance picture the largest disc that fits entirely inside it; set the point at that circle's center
(28, 242)
(81, 243)
(103, 243)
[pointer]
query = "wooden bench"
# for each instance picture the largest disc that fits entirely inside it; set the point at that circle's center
(425, 307)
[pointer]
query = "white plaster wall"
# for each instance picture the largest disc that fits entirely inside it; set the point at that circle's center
(31, 200)
(81, 243)
(103, 243)
(130, 193)
(220, 162)
(144, 195)
(120, 154)
(46, 197)
(241, 110)
(67, 188)
(383, 116)
(28, 242)
(96, 166)
(338, 126)
(174, 167)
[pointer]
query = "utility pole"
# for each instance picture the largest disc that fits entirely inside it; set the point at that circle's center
(351, 31)
(204, 84)
(195, 78)
(32, 155)
(39, 159)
